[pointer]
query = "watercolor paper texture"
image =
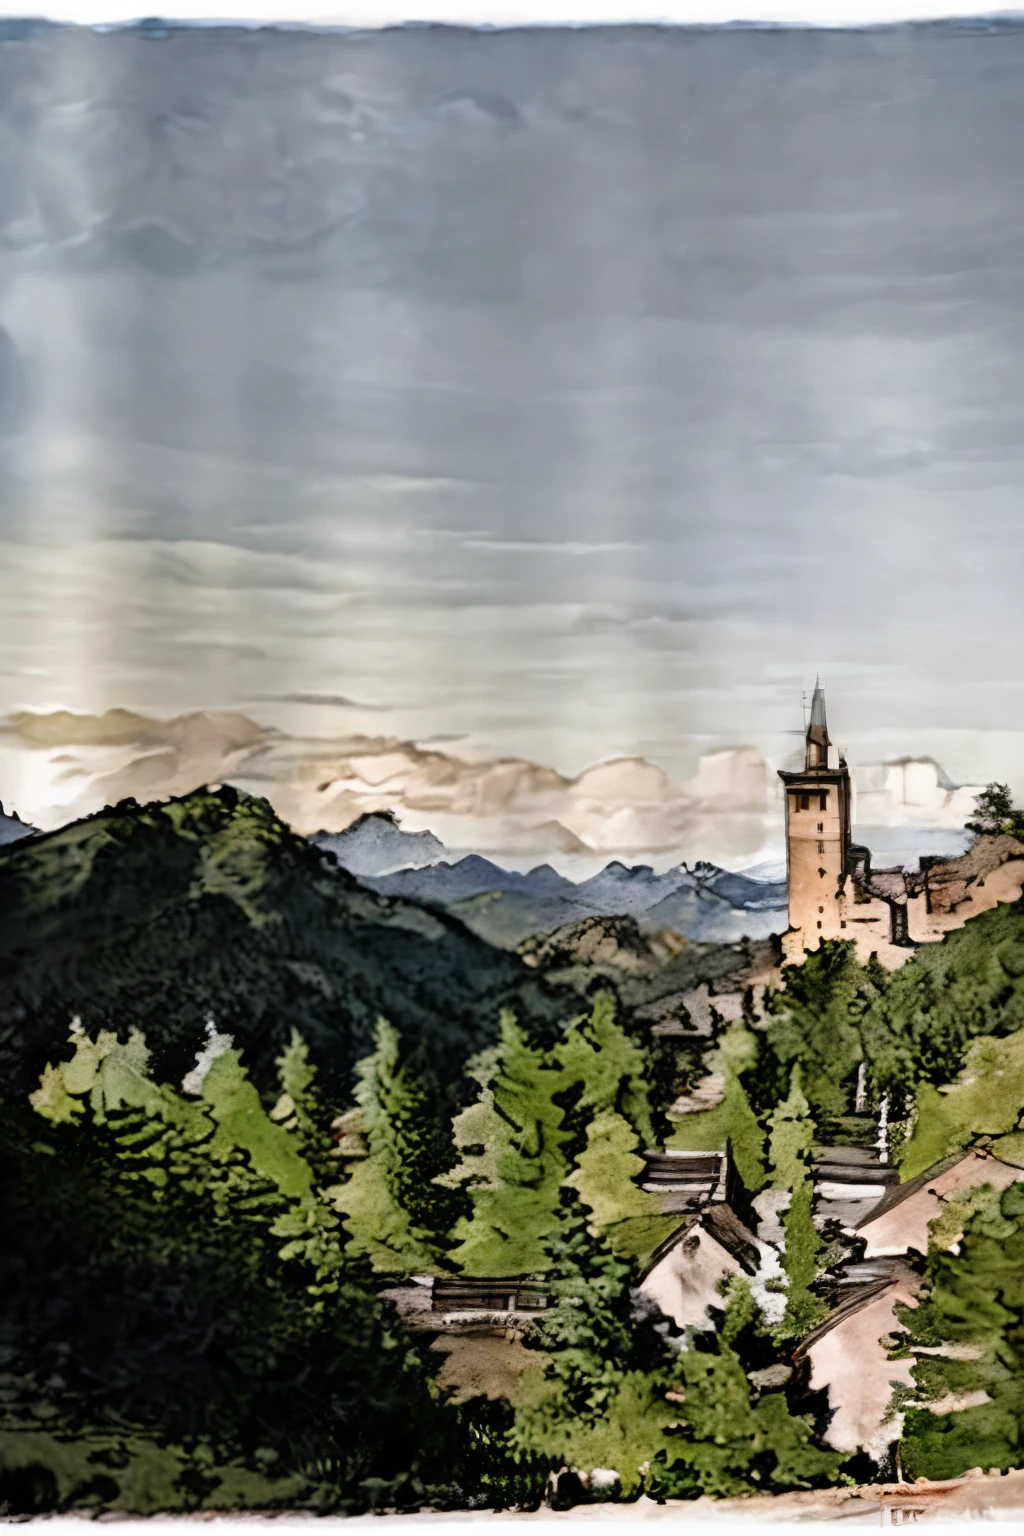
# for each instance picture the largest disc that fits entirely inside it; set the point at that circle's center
(511, 940)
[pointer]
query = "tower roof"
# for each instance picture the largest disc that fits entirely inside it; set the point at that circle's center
(817, 730)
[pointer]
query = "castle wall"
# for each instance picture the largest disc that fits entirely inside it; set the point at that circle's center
(992, 871)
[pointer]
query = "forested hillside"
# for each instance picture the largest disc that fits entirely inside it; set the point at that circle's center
(160, 917)
(208, 1225)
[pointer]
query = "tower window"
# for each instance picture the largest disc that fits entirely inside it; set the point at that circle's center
(821, 874)
(821, 826)
(819, 922)
(821, 845)
(805, 802)
(824, 798)
(821, 909)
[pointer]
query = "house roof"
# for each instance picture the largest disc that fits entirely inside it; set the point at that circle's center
(853, 1304)
(896, 1194)
(721, 1223)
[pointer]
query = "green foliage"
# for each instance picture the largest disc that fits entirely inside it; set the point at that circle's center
(987, 1098)
(732, 1123)
(396, 1212)
(728, 1439)
(994, 813)
(604, 1069)
(521, 1144)
(792, 1137)
(598, 1399)
(949, 993)
(604, 1090)
(177, 1307)
(604, 1176)
(814, 1023)
(967, 1334)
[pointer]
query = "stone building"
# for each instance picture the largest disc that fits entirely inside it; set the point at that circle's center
(835, 893)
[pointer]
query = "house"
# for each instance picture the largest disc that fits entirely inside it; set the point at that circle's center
(899, 1223)
(686, 1181)
(847, 1359)
(478, 1328)
(846, 1356)
(684, 1277)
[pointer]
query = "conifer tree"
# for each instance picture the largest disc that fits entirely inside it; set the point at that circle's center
(514, 1167)
(608, 1119)
(604, 1069)
(172, 1267)
(730, 1438)
(597, 1398)
(732, 1123)
(813, 1023)
(396, 1213)
(792, 1137)
(966, 1335)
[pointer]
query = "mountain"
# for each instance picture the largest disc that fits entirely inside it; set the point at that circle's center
(705, 903)
(157, 917)
(375, 844)
(12, 828)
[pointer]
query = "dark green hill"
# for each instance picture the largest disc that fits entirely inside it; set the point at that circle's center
(159, 916)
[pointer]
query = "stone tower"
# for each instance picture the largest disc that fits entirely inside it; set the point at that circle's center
(817, 839)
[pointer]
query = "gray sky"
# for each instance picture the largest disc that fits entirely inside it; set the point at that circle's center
(567, 394)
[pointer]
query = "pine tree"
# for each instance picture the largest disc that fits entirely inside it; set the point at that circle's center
(733, 1123)
(814, 1023)
(514, 1171)
(157, 1326)
(396, 1214)
(604, 1069)
(609, 1123)
(728, 1438)
(966, 1334)
(597, 1398)
(792, 1137)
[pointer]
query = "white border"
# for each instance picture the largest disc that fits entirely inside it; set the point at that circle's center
(511, 13)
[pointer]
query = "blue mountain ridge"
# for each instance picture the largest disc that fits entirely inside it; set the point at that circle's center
(505, 906)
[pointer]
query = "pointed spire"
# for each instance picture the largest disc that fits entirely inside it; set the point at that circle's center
(817, 731)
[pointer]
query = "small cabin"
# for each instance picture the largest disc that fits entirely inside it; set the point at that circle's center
(686, 1181)
(684, 1277)
(849, 1183)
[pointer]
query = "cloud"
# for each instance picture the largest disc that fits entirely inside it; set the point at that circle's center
(328, 700)
(69, 764)
(546, 547)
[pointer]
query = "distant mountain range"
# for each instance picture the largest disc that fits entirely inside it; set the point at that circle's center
(506, 907)
(12, 828)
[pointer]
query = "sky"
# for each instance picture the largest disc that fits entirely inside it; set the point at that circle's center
(553, 395)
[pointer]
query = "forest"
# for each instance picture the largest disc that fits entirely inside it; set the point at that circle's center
(204, 1246)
